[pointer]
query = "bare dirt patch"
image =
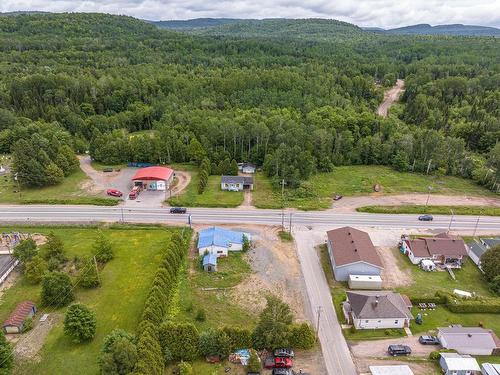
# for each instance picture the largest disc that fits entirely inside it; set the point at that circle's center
(391, 96)
(182, 180)
(392, 275)
(29, 344)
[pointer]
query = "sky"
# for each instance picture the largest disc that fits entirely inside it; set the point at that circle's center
(381, 13)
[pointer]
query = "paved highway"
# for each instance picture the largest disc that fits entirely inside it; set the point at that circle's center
(85, 214)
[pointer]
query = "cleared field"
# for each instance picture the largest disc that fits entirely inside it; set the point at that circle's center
(213, 196)
(436, 210)
(118, 303)
(70, 191)
(359, 180)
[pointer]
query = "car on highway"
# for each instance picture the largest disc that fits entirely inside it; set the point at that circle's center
(284, 352)
(425, 218)
(178, 210)
(429, 340)
(396, 350)
(114, 192)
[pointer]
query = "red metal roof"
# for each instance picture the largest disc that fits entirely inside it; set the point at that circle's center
(154, 173)
(351, 245)
(20, 314)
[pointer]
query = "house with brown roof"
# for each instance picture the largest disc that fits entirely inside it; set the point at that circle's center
(15, 322)
(377, 310)
(352, 252)
(442, 249)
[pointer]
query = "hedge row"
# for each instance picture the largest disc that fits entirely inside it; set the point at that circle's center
(151, 359)
(459, 305)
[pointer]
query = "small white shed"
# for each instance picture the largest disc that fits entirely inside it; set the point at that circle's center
(427, 265)
(371, 282)
(391, 370)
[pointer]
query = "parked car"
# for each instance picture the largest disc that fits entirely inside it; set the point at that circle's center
(337, 197)
(283, 362)
(425, 218)
(282, 371)
(114, 192)
(178, 210)
(284, 352)
(269, 362)
(396, 350)
(429, 340)
(107, 169)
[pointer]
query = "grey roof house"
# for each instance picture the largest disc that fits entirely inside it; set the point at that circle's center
(247, 167)
(236, 183)
(352, 252)
(377, 310)
(490, 242)
(476, 249)
(469, 340)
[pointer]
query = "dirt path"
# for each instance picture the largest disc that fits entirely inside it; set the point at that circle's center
(391, 96)
(392, 275)
(183, 180)
(349, 204)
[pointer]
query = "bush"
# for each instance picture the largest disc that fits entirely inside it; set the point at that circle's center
(54, 249)
(254, 364)
(179, 341)
(57, 289)
(246, 244)
(119, 353)
(214, 343)
(435, 355)
(88, 277)
(302, 336)
(6, 357)
(80, 323)
(201, 315)
(102, 248)
(495, 285)
(185, 369)
(239, 338)
(490, 263)
(25, 250)
(35, 269)
(273, 331)
(480, 305)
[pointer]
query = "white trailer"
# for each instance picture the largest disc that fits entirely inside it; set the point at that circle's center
(372, 282)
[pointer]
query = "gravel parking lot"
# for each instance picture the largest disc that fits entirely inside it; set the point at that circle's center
(378, 348)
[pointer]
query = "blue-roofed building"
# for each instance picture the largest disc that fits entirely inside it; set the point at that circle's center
(220, 241)
(210, 263)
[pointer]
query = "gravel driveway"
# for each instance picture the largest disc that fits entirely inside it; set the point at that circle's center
(378, 348)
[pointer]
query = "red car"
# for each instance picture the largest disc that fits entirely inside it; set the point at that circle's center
(114, 192)
(283, 362)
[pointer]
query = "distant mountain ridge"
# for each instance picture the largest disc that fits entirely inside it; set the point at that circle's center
(452, 29)
(196, 23)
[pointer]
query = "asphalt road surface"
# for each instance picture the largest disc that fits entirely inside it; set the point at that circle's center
(89, 214)
(336, 353)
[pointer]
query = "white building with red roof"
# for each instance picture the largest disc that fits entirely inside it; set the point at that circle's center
(154, 178)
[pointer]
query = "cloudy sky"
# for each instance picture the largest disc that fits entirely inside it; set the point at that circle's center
(383, 13)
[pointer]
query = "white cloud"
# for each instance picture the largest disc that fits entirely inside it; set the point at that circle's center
(383, 13)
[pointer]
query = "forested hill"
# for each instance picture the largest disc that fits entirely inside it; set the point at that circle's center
(197, 23)
(455, 29)
(295, 107)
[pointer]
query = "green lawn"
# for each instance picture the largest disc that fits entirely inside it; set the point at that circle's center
(213, 196)
(118, 303)
(359, 180)
(436, 210)
(373, 334)
(218, 305)
(67, 192)
(468, 278)
(100, 167)
(442, 317)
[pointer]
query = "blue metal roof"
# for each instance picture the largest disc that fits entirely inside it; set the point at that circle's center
(219, 237)
(210, 259)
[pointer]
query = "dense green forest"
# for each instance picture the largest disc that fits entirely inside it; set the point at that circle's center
(294, 102)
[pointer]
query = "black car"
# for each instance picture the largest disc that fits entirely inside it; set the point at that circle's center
(428, 340)
(282, 371)
(284, 352)
(177, 210)
(425, 218)
(396, 350)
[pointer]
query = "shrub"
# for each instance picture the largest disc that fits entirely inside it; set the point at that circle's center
(254, 364)
(88, 277)
(103, 250)
(272, 331)
(80, 323)
(302, 336)
(239, 338)
(495, 285)
(54, 249)
(201, 315)
(25, 250)
(6, 357)
(480, 305)
(214, 343)
(35, 269)
(490, 263)
(435, 355)
(185, 369)
(119, 353)
(179, 341)
(57, 289)
(246, 244)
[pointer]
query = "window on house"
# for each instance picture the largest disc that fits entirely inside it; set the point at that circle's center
(396, 321)
(379, 321)
(366, 321)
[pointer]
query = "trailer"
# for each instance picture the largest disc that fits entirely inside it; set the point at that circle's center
(372, 282)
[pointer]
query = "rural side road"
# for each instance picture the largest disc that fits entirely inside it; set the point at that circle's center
(336, 353)
(390, 97)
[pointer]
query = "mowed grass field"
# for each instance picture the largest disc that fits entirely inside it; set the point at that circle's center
(436, 210)
(70, 191)
(359, 180)
(118, 303)
(213, 196)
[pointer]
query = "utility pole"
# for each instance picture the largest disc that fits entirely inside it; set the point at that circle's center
(282, 220)
(318, 312)
(283, 183)
(97, 270)
(429, 166)
(290, 229)
(475, 228)
(123, 220)
(429, 188)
